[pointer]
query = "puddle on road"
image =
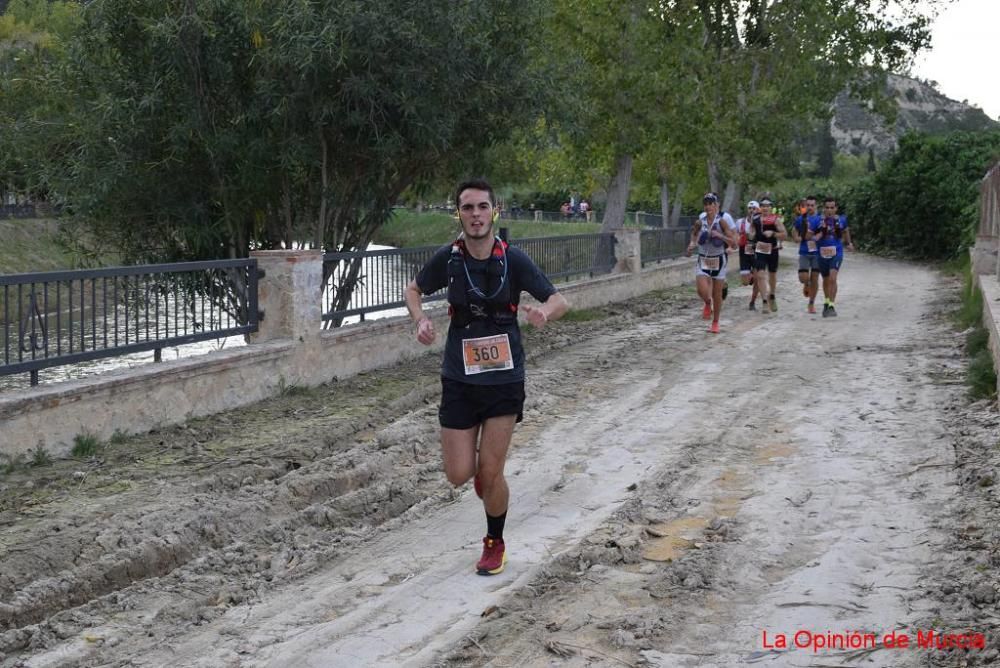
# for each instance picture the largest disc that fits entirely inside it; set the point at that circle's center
(673, 538)
(676, 536)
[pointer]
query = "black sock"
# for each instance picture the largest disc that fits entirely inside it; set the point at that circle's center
(494, 525)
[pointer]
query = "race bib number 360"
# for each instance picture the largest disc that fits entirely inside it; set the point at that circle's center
(487, 353)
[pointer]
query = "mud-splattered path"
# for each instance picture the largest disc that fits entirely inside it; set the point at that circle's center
(675, 496)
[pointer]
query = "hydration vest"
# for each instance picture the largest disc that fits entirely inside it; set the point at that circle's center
(493, 301)
(704, 238)
(834, 229)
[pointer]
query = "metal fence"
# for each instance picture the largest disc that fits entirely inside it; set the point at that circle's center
(571, 255)
(656, 245)
(17, 211)
(56, 318)
(359, 282)
(362, 282)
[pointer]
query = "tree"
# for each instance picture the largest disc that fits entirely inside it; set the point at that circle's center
(776, 64)
(923, 202)
(207, 128)
(827, 150)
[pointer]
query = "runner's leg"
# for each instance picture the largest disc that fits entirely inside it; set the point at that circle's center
(717, 298)
(458, 450)
(704, 286)
(494, 442)
(832, 292)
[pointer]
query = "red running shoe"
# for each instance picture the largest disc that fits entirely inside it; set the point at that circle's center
(706, 312)
(812, 308)
(494, 557)
(478, 486)
(714, 329)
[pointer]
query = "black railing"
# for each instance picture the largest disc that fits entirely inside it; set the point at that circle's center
(360, 282)
(56, 318)
(656, 245)
(17, 211)
(572, 255)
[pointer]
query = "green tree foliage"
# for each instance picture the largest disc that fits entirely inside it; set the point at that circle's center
(32, 36)
(923, 202)
(199, 129)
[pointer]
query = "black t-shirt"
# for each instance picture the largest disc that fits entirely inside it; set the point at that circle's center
(522, 275)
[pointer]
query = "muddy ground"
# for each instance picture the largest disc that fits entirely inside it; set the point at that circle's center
(678, 499)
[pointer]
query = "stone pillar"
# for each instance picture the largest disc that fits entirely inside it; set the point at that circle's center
(628, 257)
(290, 294)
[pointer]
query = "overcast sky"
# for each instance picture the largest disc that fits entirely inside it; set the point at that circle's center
(964, 58)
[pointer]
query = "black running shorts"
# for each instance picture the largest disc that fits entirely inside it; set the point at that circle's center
(769, 261)
(464, 405)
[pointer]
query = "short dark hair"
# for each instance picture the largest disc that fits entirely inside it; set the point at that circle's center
(474, 184)
(829, 199)
(811, 197)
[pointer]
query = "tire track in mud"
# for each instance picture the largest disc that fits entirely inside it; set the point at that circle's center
(182, 556)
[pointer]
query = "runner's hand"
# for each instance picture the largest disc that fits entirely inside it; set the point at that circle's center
(689, 249)
(535, 316)
(425, 331)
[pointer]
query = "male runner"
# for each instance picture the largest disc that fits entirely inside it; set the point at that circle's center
(831, 235)
(808, 255)
(482, 372)
(767, 231)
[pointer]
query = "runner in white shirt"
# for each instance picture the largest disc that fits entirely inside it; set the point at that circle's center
(747, 270)
(711, 234)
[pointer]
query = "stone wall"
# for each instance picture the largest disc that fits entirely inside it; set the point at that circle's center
(290, 349)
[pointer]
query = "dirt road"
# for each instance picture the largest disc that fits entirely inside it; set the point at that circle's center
(678, 499)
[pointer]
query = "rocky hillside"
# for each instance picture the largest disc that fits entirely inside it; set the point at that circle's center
(921, 108)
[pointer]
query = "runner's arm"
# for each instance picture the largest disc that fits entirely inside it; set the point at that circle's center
(847, 240)
(695, 228)
(732, 235)
(552, 308)
(425, 327)
(782, 233)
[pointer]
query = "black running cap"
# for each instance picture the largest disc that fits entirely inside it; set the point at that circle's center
(766, 200)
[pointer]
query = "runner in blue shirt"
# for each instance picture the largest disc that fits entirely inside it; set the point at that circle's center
(808, 254)
(832, 236)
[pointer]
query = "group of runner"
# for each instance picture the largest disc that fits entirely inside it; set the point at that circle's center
(758, 237)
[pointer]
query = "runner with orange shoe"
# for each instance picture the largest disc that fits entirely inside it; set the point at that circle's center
(711, 235)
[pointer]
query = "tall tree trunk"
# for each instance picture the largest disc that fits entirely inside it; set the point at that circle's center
(675, 216)
(614, 212)
(664, 197)
(319, 232)
(713, 175)
(731, 197)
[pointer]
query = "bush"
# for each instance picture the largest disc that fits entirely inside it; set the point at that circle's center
(923, 202)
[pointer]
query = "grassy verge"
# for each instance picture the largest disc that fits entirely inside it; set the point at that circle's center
(407, 229)
(32, 245)
(981, 376)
